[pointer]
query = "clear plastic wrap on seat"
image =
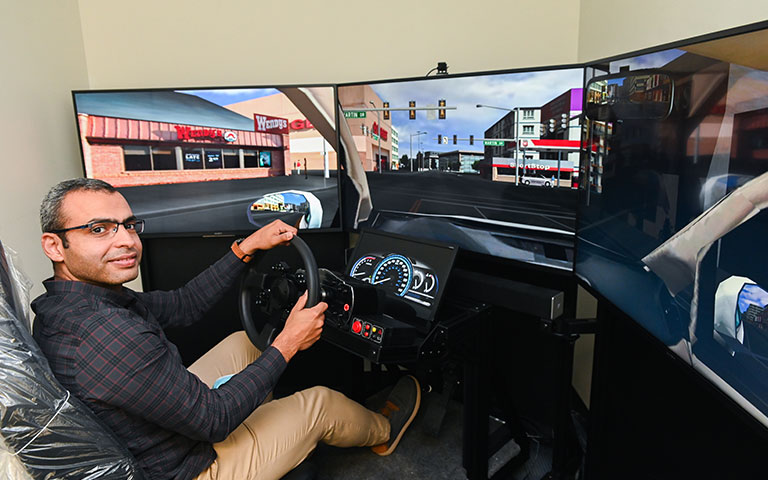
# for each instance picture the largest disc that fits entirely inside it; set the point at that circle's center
(45, 432)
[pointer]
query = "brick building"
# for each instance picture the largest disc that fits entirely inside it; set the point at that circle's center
(152, 137)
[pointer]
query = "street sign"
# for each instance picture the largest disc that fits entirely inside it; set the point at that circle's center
(493, 143)
(354, 114)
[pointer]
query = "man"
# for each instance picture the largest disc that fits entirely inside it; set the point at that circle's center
(106, 345)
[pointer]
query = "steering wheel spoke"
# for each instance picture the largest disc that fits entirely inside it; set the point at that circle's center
(253, 279)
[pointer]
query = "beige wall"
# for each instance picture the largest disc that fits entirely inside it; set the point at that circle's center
(608, 27)
(244, 42)
(42, 58)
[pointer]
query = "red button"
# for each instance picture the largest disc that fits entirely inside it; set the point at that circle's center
(367, 326)
(346, 307)
(365, 334)
(357, 326)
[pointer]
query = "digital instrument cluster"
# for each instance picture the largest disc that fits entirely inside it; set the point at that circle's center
(398, 275)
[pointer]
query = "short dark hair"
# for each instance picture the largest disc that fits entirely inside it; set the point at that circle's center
(50, 210)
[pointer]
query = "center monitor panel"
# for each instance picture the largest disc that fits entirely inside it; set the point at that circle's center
(488, 162)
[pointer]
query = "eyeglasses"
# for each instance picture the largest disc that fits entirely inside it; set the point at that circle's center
(104, 228)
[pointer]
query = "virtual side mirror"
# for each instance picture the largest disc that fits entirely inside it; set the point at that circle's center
(640, 95)
(295, 207)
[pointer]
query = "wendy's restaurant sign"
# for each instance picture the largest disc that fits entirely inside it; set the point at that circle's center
(267, 124)
(187, 133)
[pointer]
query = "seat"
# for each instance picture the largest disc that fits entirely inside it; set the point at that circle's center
(44, 431)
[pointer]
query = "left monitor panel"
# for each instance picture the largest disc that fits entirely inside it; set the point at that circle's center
(215, 160)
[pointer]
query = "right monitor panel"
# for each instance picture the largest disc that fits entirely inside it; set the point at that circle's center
(672, 226)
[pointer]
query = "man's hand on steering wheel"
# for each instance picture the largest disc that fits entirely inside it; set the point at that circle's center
(302, 328)
(268, 236)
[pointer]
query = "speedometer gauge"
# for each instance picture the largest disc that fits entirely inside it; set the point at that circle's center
(394, 274)
(363, 268)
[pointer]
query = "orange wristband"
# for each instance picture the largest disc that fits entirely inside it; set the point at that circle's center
(239, 253)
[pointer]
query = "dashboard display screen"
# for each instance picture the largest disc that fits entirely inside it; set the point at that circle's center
(413, 271)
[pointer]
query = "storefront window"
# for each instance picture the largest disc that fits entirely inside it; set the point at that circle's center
(136, 158)
(251, 158)
(212, 159)
(265, 158)
(163, 158)
(231, 159)
(193, 159)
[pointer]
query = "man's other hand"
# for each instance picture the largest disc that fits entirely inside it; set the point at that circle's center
(302, 328)
(268, 236)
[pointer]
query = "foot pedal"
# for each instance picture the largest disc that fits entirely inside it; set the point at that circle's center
(434, 413)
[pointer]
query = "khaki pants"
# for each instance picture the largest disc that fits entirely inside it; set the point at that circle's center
(279, 434)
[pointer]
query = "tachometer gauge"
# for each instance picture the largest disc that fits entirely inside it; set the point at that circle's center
(363, 268)
(394, 274)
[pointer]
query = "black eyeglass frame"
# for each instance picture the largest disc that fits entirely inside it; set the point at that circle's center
(138, 226)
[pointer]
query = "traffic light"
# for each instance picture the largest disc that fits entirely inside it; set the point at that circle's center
(386, 111)
(564, 120)
(471, 139)
(454, 139)
(441, 111)
(542, 130)
(411, 113)
(439, 139)
(551, 124)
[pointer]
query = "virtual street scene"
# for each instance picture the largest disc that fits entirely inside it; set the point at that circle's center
(219, 160)
(675, 183)
(487, 162)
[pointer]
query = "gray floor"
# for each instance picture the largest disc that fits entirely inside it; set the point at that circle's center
(421, 455)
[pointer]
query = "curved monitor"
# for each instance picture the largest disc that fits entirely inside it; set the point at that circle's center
(488, 162)
(672, 212)
(212, 161)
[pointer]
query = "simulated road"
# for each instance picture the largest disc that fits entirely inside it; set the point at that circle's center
(219, 206)
(445, 193)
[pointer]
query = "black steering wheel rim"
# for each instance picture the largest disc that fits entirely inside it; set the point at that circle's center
(261, 339)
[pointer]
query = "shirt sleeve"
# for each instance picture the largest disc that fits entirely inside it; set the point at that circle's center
(186, 305)
(125, 364)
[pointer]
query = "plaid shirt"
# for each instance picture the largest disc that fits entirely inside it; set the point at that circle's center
(108, 348)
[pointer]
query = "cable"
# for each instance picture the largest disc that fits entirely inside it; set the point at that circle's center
(58, 410)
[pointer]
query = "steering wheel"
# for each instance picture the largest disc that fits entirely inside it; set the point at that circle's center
(275, 293)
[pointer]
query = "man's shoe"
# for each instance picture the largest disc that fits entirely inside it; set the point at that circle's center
(400, 408)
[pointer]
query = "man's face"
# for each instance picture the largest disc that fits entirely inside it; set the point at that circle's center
(107, 261)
